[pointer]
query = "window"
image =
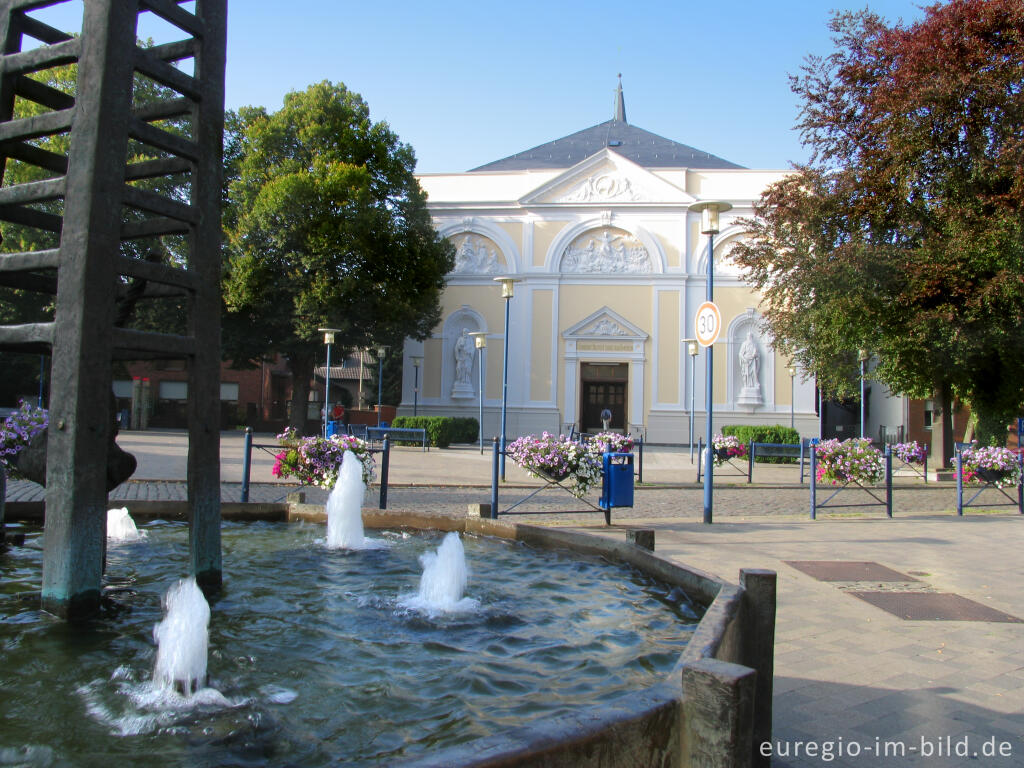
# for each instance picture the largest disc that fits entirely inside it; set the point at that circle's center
(174, 390)
(229, 391)
(123, 389)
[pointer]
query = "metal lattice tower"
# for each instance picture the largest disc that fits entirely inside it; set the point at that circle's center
(91, 202)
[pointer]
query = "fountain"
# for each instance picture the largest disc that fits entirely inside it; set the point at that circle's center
(444, 581)
(567, 642)
(182, 638)
(344, 508)
(121, 526)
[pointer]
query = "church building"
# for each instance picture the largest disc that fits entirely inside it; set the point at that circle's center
(598, 229)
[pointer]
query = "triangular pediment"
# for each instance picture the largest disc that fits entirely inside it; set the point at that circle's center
(606, 178)
(605, 324)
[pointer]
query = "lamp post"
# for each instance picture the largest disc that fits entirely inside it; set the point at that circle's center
(862, 355)
(381, 351)
(480, 340)
(416, 363)
(792, 401)
(693, 348)
(328, 340)
(709, 225)
(507, 284)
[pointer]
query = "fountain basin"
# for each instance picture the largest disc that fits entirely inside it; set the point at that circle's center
(651, 721)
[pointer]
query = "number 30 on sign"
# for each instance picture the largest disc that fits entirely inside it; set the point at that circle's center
(708, 322)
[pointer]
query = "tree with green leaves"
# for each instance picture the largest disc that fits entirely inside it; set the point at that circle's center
(904, 234)
(327, 227)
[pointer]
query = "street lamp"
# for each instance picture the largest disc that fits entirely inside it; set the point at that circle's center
(328, 340)
(862, 355)
(381, 351)
(792, 390)
(693, 348)
(507, 284)
(480, 340)
(709, 225)
(416, 363)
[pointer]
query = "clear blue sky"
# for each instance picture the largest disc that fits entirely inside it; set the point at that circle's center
(467, 82)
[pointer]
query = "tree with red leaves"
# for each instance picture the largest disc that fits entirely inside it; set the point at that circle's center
(904, 233)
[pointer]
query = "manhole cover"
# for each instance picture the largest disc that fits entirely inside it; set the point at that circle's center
(846, 570)
(931, 606)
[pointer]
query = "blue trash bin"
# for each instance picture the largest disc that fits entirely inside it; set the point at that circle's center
(617, 482)
(333, 428)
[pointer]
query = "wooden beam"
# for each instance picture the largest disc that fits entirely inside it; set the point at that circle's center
(145, 200)
(166, 74)
(155, 227)
(33, 155)
(161, 139)
(158, 273)
(41, 93)
(36, 126)
(44, 57)
(171, 13)
(164, 166)
(32, 192)
(29, 217)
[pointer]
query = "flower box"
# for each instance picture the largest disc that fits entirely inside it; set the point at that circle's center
(849, 461)
(558, 459)
(990, 464)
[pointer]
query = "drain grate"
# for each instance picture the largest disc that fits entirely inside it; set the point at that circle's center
(932, 606)
(846, 570)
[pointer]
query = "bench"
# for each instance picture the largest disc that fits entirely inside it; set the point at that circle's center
(374, 434)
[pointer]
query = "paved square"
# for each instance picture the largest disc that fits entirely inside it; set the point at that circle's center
(930, 606)
(845, 570)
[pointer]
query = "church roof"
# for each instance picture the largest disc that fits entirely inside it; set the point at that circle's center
(644, 148)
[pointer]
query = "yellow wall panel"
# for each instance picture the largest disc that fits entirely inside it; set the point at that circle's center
(544, 233)
(515, 231)
(540, 353)
(668, 346)
(495, 359)
(432, 349)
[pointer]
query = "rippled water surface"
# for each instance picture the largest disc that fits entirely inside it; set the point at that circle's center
(313, 661)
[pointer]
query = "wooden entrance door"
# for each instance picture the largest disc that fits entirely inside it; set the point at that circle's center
(603, 385)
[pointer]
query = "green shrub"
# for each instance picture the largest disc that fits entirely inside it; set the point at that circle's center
(765, 433)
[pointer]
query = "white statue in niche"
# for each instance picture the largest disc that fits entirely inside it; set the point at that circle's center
(464, 350)
(750, 372)
(750, 362)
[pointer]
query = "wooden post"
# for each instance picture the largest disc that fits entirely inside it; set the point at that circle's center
(80, 422)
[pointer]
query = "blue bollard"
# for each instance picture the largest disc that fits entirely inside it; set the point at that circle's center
(494, 479)
(384, 465)
(246, 464)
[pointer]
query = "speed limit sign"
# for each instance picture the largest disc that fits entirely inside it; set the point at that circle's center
(708, 323)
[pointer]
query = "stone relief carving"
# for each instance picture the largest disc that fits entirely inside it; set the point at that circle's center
(606, 327)
(473, 255)
(608, 251)
(602, 187)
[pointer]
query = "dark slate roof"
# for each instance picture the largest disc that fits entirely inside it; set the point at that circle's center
(644, 148)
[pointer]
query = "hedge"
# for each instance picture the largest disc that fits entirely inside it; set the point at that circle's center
(442, 431)
(765, 433)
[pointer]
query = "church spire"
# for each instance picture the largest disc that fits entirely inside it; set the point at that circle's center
(620, 103)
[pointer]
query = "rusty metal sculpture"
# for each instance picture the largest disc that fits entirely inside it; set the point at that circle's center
(103, 207)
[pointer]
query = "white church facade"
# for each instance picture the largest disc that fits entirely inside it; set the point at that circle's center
(597, 229)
